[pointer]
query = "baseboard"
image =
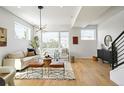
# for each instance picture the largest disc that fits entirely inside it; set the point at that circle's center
(83, 58)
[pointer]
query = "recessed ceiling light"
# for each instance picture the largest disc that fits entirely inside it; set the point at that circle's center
(18, 6)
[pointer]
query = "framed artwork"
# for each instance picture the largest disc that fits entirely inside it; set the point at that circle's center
(75, 40)
(3, 37)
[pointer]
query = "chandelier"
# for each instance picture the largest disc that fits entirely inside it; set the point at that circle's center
(41, 27)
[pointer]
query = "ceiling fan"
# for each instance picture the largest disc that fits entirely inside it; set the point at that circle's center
(41, 27)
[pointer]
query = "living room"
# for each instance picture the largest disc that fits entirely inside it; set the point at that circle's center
(68, 35)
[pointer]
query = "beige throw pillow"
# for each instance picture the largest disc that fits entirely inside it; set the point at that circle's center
(30, 53)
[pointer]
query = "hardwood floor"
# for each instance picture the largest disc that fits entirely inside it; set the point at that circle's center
(87, 73)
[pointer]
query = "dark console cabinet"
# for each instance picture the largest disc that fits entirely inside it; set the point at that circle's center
(105, 55)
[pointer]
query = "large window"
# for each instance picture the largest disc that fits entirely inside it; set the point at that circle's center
(64, 39)
(55, 39)
(88, 34)
(22, 32)
(50, 39)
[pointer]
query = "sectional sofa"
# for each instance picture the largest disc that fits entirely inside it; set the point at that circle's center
(18, 59)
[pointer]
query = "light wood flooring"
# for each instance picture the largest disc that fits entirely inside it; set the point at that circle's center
(87, 73)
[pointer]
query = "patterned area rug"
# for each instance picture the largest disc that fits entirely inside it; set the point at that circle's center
(43, 74)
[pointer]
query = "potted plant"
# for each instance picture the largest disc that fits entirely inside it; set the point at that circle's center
(35, 43)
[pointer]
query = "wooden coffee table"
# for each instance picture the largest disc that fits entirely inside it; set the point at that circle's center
(57, 65)
(47, 61)
(35, 64)
(45, 65)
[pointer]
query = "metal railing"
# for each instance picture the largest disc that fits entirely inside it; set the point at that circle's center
(118, 51)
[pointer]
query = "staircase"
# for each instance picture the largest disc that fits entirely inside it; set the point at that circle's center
(117, 72)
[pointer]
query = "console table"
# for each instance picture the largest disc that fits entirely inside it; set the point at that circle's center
(105, 55)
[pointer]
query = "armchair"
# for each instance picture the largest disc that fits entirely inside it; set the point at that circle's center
(8, 73)
(64, 54)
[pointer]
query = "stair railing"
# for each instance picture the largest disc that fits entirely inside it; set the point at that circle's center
(118, 51)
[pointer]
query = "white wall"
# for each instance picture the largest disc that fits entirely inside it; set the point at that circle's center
(84, 48)
(117, 76)
(112, 26)
(7, 21)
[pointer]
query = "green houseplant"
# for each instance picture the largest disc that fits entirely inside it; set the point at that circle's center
(35, 42)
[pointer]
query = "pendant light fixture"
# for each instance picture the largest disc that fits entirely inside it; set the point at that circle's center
(40, 7)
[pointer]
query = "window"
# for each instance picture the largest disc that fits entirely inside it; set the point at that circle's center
(88, 34)
(55, 39)
(64, 39)
(22, 32)
(50, 39)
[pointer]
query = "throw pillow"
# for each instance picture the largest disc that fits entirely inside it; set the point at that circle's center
(31, 53)
(32, 50)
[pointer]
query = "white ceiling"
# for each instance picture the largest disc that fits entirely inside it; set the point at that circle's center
(88, 15)
(60, 18)
(53, 16)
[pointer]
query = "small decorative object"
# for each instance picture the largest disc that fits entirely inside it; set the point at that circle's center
(3, 36)
(48, 56)
(75, 40)
(108, 40)
(45, 54)
(95, 58)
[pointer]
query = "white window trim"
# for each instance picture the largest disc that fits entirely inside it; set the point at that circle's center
(95, 34)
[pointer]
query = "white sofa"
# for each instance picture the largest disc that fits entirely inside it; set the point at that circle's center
(10, 73)
(18, 59)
